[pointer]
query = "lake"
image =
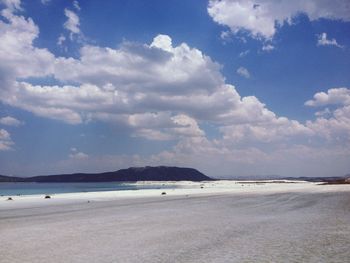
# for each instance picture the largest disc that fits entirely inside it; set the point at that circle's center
(56, 188)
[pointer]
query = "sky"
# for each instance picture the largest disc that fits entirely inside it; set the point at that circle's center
(229, 87)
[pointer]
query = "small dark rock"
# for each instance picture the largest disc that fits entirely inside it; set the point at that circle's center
(163, 193)
(47, 197)
(9, 199)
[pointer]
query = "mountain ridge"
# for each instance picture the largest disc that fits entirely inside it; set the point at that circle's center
(132, 174)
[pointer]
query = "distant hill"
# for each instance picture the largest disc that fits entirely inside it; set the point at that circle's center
(333, 179)
(327, 180)
(133, 174)
(342, 180)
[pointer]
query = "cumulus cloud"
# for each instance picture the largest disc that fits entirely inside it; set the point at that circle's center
(160, 91)
(17, 35)
(262, 19)
(276, 130)
(335, 96)
(242, 71)
(10, 121)
(335, 128)
(324, 41)
(334, 125)
(164, 126)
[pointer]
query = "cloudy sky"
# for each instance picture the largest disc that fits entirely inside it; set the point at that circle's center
(230, 87)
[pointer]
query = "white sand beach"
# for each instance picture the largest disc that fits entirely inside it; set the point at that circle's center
(221, 221)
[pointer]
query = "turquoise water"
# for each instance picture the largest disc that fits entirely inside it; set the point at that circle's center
(55, 188)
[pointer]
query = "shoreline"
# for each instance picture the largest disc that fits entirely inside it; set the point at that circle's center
(296, 222)
(181, 188)
(221, 222)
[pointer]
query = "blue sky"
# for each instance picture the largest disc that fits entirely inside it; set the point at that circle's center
(232, 88)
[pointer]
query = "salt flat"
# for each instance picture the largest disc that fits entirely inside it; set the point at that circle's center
(223, 222)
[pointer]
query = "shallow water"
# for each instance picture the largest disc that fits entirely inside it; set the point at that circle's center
(56, 188)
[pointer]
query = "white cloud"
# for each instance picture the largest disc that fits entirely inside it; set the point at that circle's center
(325, 112)
(4, 135)
(12, 5)
(10, 121)
(158, 90)
(334, 125)
(275, 130)
(77, 155)
(335, 96)
(76, 5)
(262, 19)
(242, 71)
(324, 41)
(162, 91)
(72, 24)
(244, 53)
(134, 67)
(61, 40)
(163, 126)
(5, 140)
(335, 128)
(163, 42)
(21, 58)
(225, 36)
(42, 102)
(268, 48)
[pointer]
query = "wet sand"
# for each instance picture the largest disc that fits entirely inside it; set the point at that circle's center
(305, 224)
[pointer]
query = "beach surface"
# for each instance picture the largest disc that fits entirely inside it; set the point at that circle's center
(222, 221)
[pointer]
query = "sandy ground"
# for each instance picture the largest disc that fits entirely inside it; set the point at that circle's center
(223, 222)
